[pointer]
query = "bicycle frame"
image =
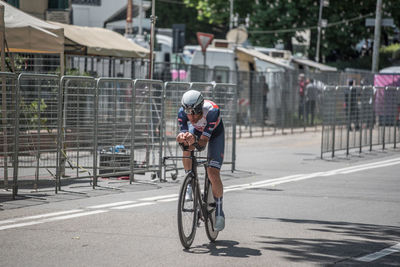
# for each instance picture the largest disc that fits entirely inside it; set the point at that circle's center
(195, 182)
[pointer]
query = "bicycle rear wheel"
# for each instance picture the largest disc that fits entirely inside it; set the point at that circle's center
(187, 213)
(210, 217)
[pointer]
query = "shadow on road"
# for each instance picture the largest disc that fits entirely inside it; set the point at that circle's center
(340, 241)
(227, 248)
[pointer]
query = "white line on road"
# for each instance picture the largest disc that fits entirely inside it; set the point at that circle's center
(65, 217)
(111, 204)
(39, 216)
(173, 197)
(299, 177)
(157, 197)
(380, 254)
(133, 205)
(168, 199)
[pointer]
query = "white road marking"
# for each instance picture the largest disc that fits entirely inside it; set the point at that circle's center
(65, 217)
(299, 177)
(380, 254)
(111, 204)
(158, 197)
(173, 197)
(133, 205)
(168, 199)
(39, 216)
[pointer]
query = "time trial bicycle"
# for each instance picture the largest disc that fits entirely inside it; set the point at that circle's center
(201, 206)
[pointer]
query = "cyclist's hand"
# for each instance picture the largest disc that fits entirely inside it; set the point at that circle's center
(190, 139)
(180, 138)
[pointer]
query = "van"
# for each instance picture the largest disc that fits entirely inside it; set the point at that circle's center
(219, 65)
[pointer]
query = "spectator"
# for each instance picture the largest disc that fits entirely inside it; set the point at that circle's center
(311, 94)
(302, 85)
(352, 106)
(265, 97)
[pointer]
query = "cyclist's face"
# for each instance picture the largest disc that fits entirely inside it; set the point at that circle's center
(194, 118)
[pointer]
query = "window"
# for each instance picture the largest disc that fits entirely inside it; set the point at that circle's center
(14, 3)
(58, 4)
(87, 2)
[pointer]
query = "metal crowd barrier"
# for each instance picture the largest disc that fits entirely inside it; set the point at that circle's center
(38, 113)
(76, 144)
(148, 120)
(113, 139)
(55, 130)
(172, 103)
(9, 107)
(357, 117)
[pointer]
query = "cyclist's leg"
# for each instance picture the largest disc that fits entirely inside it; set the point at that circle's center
(187, 163)
(216, 155)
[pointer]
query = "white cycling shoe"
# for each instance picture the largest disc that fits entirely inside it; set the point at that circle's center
(219, 223)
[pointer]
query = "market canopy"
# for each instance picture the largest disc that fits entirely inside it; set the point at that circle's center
(99, 42)
(28, 34)
(250, 54)
(313, 64)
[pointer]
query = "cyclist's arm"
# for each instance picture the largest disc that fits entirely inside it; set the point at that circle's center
(199, 144)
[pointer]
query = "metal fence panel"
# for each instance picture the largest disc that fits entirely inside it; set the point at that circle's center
(148, 125)
(114, 127)
(39, 102)
(77, 142)
(359, 117)
(8, 117)
(172, 103)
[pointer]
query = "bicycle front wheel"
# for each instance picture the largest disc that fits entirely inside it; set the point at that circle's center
(210, 217)
(187, 212)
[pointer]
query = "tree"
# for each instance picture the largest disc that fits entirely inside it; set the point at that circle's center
(176, 11)
(276, 21)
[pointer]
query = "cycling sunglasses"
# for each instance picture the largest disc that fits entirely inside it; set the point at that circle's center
(190, 111)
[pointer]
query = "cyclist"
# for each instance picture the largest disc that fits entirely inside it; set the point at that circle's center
(200, 123)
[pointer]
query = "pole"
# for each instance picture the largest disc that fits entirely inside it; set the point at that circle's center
(153, 23)
(4, 97)
(231, 15)
(377, 36)
(140, 32)
(204, 66)
(321, 4)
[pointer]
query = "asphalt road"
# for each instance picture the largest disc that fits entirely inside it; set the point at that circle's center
(284, 207)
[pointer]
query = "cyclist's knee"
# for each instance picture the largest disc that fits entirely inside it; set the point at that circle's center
(213, 173)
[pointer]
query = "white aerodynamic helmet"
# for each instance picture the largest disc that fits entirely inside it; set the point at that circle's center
(192, 102)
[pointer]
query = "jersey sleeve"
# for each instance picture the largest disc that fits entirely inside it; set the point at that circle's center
(182, 121)
(213, 120)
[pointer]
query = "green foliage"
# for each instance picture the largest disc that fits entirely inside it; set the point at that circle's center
(365, 63)
(31, 113)
(74, 72)
(337, 41)
(19, 63)
(179, 13)
(217, 11)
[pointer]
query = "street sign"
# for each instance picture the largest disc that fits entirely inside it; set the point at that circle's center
(204, 40)
(385, 22)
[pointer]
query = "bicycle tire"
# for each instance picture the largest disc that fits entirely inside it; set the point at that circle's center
(210, 217)
(187, 213)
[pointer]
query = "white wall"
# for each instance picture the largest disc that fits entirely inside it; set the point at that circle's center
(94, 16)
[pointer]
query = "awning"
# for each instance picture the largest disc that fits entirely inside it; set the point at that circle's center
(28, 34)
(313, 64)
(99, 42)
(257, 54)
